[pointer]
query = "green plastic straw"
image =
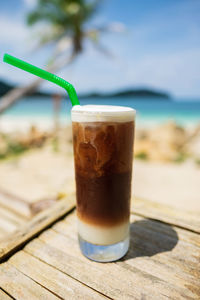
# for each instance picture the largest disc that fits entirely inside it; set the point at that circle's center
(43, 74)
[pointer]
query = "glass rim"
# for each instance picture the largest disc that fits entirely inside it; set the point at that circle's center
(102, 113)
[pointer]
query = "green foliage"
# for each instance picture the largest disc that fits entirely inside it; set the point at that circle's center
(2, 156)
(142, 155)
(13, 149)
(55, 144)
(64, 18)
(181, 157)
(197, 161)
(16, 148)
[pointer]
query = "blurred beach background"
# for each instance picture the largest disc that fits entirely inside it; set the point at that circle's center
(142, 54)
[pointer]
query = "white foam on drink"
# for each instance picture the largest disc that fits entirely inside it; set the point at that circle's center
(102, 113)
(100, 235)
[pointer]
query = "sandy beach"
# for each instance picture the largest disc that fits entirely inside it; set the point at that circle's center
(163, 173)
(8, 124)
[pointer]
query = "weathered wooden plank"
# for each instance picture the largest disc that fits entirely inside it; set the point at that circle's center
(15, 204)
(20, 286)
(157, 249)
(186, 285)
(7, 225)
(162, 262)
(172, 257)
(105, 278)
(36, 225)
(68, 227)
(151, 235)
(179, 217)
(54, 280)
(150, 238)
(183, 234)
(2, 234)
(4, 296)
(178, 247)
(10, 215)
(59, 248)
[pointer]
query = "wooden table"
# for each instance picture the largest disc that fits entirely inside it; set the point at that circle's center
(163, 261)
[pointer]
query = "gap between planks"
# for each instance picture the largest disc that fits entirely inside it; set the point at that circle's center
(4, 295)
(83, 290)
(40, 222)
(129, 268)
(33, 228)
(118, 280)
(157, 232)
(41, 285)
(19, 286)
(166, 214)
(143, 215)
(49, 248)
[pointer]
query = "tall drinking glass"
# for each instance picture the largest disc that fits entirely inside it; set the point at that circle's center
(103, 152)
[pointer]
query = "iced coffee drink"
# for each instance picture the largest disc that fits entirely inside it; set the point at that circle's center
(103, 152)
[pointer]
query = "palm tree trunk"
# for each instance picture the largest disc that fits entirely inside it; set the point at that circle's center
(17, 93)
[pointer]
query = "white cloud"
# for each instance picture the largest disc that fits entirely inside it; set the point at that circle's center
(13, 40)
(30, 3)
(150, 54)
(12, 31)
(177, 72)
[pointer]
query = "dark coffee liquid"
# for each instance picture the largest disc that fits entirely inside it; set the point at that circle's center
(103, 153)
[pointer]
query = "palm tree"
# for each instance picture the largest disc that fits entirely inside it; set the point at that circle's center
(63, 24)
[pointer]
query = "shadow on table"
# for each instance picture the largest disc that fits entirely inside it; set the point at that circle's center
(148, 237)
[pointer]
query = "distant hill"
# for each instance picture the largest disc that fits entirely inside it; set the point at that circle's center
(5, 88)
(129, 93)
(132, 93)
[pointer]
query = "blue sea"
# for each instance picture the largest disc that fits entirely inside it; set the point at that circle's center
(149, 111)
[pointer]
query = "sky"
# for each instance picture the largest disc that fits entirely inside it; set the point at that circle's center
(158, 48)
